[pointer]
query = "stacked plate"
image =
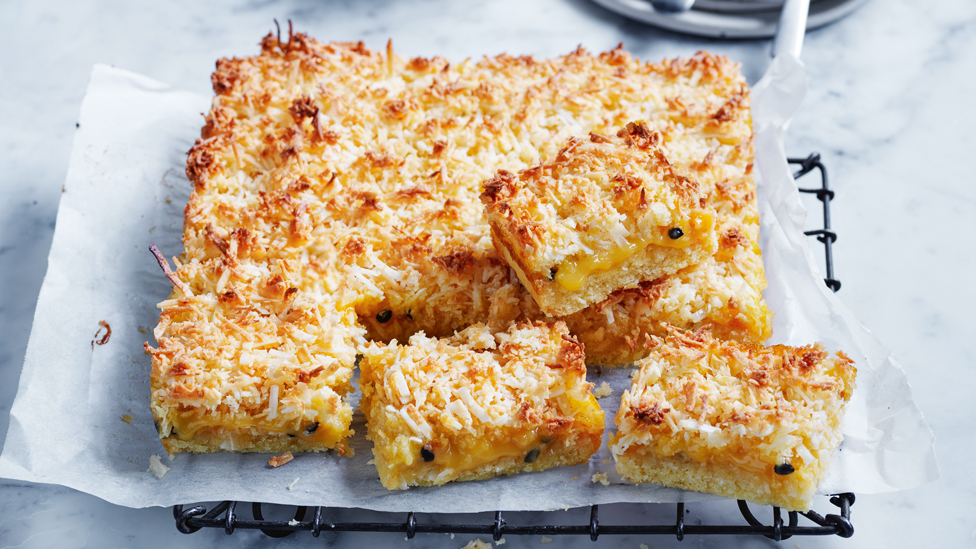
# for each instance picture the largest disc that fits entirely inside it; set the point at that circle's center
(729, 18)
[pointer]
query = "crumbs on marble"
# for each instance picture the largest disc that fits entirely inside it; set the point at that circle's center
(156, 466)
(105, 335)
(293, 483)
(601, 478)
(604, 390)
(278, 461)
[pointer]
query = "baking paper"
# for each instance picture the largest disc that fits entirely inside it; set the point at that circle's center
(81, 417)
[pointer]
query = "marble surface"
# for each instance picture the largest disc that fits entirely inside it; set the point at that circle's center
(888, 108)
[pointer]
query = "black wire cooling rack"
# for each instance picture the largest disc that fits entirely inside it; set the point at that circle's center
(224, 515)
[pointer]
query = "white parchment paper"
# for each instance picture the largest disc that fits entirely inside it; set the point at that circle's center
(81, 417)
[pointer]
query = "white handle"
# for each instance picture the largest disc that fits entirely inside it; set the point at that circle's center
(792, 27)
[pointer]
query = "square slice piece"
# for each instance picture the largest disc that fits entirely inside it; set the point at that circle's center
(478, 405)
(752, 423)
(251, 373)
(604, 215)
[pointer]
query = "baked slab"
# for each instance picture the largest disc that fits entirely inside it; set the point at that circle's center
(336, 194)
(478, 405)
(373, 163)
(752, 423)
(606, 214)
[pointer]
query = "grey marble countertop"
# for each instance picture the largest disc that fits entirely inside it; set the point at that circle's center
(889, 107)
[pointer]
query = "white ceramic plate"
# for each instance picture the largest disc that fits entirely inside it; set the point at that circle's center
(740, 19)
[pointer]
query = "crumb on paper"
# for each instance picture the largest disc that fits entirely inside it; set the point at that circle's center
(127, 419)
(500, 542)
(604, 390)
(371, 462)
(566, 507)
(452, 535)
(342, 450)
(601, 478)
(545, 540)
(156, 466)
(278, 461)
(634, 372)
(293, 522)
(105, 336)
(293, 483)
(477, 544)
(172, 457)
(644, 546)
(606, 461)
(574, 478)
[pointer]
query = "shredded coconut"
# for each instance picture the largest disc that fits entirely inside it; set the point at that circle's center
(604, 390)
(278, 461)
(156, 466)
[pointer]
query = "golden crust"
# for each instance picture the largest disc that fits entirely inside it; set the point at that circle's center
(478, 405)
(754, 423)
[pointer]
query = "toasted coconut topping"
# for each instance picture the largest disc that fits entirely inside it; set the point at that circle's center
(595, 196)
(333, 182)
(477, 381)
(372, 163)
(251, 353)
(723, 402)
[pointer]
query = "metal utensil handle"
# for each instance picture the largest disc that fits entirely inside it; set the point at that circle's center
(792, 27)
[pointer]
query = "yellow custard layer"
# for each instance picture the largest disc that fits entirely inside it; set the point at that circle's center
(572, 273)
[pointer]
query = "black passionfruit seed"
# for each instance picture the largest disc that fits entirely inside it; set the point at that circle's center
(783, 469)
(552, 274)
(426, 454)
(384, 316)
(312, 428)
(532, 456)
(674, 233)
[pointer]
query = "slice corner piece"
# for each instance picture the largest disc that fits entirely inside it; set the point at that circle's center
(225, 379)
(606, 214)
(478, 405)
(752, 423)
